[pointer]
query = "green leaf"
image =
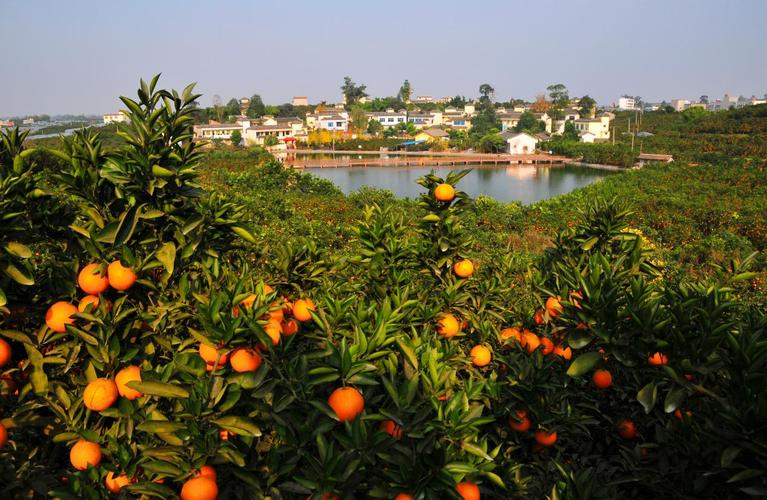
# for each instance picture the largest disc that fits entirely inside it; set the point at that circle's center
(244, 233)
(19, 276)
(163, 172)
(161, 389)
(239, 425)
(647, 396)
(3, 298)
(127, 225)
(476, 450)
(729, 454)
(158, 426)
(408, 352)
(583, 363)
(674, 398)
(19, 250)
(588, 244)
(166, 254)
(579, 339)
(744, 276)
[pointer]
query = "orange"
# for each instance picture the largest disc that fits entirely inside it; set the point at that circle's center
(444, 192)
(511, 333)
(658, 359)
(115, 483)
(276, 313)
(274, 331)
(211, 355)
(391, 428)
(520, 421)
(91, 300)
(289, 327)
(404, 496)
(224, 434)
(329, 496)
(199, 488)
(602, 379)
(3, 436)
(130, 373)
(120, 277)
(480, 355)
(448, 326)
(100, 394)
(566, 353)
(247, 303)
(91, 280)
(544, 438)
(206, 471)
(553, 307)
(85, 453)
(5, 352)
(245, 360)
(463, 268)
(538, 318)
(59, 315)
(627, 429)
(531, 341)
(302, 308)
(347, 403)
(467, 490)
(548, 346)
(678, 414)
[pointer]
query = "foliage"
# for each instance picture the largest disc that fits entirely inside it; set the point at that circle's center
(597, 153)
(528, 122)
(236, 138)
(352, 92)
(492, 143)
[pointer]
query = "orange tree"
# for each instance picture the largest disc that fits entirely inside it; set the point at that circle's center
(202, 366)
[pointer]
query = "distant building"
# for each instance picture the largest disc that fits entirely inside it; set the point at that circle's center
(599, 126)
(28, 121)
(587, 137)
(546, 119)
(626, 103)
(7, 123)
(300, 100)
(432, 135)
(443, 100)
(679, 104)
(520, 142)
(388, 118)
(425, 120)
(252, 131)
(749, 101)
(653, 158)
(119, 117)
(572, 114)
(423, 99)
(508, 119)
(333, 120)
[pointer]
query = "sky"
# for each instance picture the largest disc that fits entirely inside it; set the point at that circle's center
(78, 56)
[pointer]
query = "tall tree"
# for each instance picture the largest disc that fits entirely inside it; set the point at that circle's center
(587, 105)
(458, 101)
(359, 118)
(704, 99)
(232, 107)
(529, 123)
(541, 105)
(352, 92)
(486, 118)
(218, 107)
(256, 108)
(405, 92)
(558, 95)
(486, 91)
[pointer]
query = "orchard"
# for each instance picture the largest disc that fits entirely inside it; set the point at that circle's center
(150, 349)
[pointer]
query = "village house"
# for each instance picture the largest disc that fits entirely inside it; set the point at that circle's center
(388, 118)
(432, 135)
(546, 119)
(519, 142)
(333, 120)
(508, 119)
(599, 127)
(118, 117)
(644, 158)
(424, 120)
(253, 132)
(300, 100)
(586, 137)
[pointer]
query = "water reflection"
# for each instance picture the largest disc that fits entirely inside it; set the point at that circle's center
(526, 183)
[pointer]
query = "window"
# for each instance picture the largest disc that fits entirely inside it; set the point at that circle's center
(339, 124)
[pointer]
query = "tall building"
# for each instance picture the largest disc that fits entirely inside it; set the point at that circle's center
(300, 100)
(626, 103)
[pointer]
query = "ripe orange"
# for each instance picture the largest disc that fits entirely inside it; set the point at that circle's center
(246, 303)
(100, 394)
(520, 421)
(274, 331)
(3, 436)
(511, 333)
(120, 277)
(5, 352)
(538, 318)
(59, 315)
(448, 326)
(329, 496)
(404, 496)
(565, 353)
(544, 438)
(678, 414)
(347, 403)
(480, 355)
(211, 355)
(391, 428)
(302, 308)
(91, 300)
(548, 346)
(530, 341)
(468, 490)
(627, 429)
(289, 327)
(131, 373)
(444, 192)
(658, 359)
(115, 483)
(553, 307)
(245, 360)
(199, 488)
(91, 280)
(602, 379)
(463, 268)
(206, 471)
(85, 453)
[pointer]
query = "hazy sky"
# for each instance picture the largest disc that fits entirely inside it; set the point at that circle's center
(77, 56)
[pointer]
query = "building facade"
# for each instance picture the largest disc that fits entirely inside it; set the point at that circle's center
(118, 117)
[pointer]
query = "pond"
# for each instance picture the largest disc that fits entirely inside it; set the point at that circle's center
(525, 183)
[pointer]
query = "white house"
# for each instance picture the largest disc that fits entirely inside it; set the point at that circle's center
(118, 117)
(626, 103)
(388, 118)
(334, 120)
(508, 119)
(572, 114)
(587, 136)
(599, 126)
(520, 142)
